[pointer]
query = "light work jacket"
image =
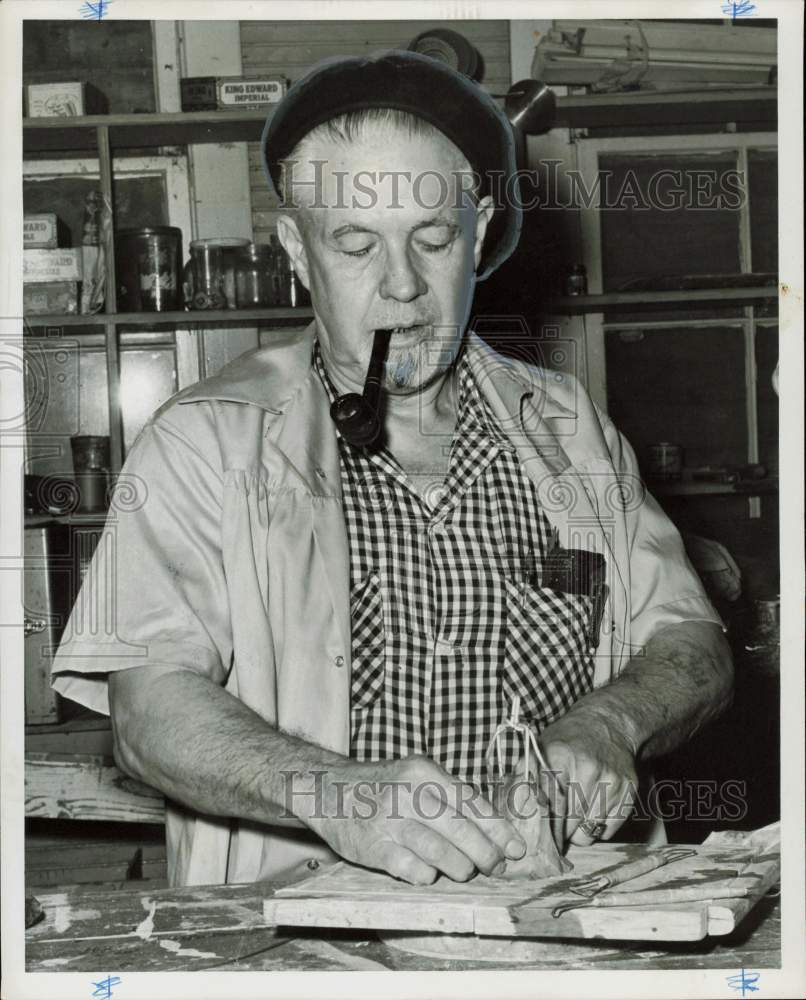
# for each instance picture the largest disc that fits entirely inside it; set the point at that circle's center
(226, 552)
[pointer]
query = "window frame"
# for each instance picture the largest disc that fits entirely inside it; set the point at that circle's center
(589, 151)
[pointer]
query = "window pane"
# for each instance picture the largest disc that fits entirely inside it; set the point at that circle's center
(667, 219)
(680, 385)
(139, 201)
(763, 193)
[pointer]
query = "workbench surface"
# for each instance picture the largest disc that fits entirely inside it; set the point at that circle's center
(221, 927)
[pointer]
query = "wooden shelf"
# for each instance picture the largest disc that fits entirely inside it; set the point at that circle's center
(86, 732)
(88, 520)
(616, 301)
(673, 107)
(565, 305)
(751, 104)
(747, 488)
(143, 130)
(179, 317)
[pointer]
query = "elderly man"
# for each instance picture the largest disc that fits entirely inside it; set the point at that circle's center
(302, 626)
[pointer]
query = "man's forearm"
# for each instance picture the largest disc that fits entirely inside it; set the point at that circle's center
(179, 732)
(662, 698)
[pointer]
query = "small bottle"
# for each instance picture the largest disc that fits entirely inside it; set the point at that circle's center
(577, 281)
(93, 285)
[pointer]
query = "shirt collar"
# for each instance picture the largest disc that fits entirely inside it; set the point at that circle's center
(271, 376)
(473, 411)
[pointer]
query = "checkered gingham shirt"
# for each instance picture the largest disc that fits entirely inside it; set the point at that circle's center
(447, 625)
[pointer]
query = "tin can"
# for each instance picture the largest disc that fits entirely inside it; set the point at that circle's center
(576, 283)
(665, 461)
(768, 616)
(149, 269)
(91, 470)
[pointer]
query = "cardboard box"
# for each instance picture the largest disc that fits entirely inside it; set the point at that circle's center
(63, 100)
(209, 93)
(51, 265)
(55, 100)
(40, 232)
(198, 93)
(49, 298)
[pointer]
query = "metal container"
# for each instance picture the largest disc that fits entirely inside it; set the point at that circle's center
(91, 470)
(665, 461)
(768, 617)
(149, 269)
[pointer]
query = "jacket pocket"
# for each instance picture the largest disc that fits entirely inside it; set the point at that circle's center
(368, 642)
(547, 660)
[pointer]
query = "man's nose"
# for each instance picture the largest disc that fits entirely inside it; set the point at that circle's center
(401, 279)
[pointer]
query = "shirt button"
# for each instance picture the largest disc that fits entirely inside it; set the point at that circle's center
(339, 661)
(313, 864)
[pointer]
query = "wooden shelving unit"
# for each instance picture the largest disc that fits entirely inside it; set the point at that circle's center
(746, 488)
(180, 317)
(104, 133)
(749, 104)
(571, 305)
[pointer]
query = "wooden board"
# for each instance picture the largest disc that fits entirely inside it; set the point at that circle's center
(349, 897)
(87, 786)
(90, 928)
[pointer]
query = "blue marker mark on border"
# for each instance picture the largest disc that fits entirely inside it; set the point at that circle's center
(95, 10)
(104, 987)
(745, 981)
(738, 8)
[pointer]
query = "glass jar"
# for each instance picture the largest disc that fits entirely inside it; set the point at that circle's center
(148, 265)
(209, 276)
(254, 276)
(288, 289)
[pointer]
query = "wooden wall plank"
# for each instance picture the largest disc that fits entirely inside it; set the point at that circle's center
(368, 31)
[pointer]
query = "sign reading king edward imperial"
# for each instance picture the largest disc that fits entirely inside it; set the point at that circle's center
(210, 93)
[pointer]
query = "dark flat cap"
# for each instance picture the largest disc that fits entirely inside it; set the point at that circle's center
(424, 87)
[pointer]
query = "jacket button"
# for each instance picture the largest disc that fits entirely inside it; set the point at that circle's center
(313, 864)
(339, 661)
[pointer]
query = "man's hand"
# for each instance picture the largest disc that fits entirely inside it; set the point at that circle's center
(660, 699)
(592, 775)
(409, 818)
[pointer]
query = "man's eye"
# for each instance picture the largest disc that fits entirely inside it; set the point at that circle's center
(436, 239)
(355, 244)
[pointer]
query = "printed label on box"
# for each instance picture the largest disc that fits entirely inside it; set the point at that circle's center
(55, 100)
(51, 265)
(39, 232)
(48, 298)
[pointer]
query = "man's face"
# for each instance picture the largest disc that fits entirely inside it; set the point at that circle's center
(389, 241)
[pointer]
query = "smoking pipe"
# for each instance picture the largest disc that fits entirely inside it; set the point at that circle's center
(357, 414)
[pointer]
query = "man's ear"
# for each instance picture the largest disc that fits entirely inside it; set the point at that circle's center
(484, 212)
(288, 231)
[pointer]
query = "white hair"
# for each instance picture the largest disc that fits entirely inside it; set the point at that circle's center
(351, 127)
